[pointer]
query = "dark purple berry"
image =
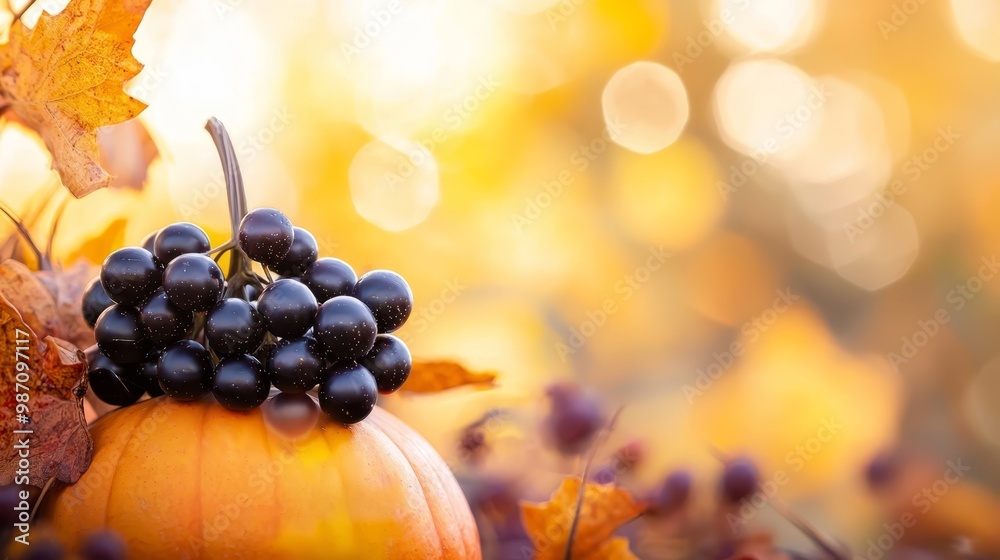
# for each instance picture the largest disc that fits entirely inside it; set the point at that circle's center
(388, 296)
(163, 321)
(266, 235)
(389, 361)
(185, 370)
(113, 383)
(233, 328)
(347, 392)
(300, 256)
(295, 365)
(178, 239)
(193, 282)
(288, 308)
(240, 383)
(328, 278)
(130, 275)
(120, 334)
(344, 328)
(95, 301)
(149, 242)
(148, 378)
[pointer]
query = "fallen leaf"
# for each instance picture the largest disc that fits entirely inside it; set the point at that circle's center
(30, 296)
(58, 444)
(434, 376)
(127, 150)
(49, 301)
(605, 508)
(65, 78)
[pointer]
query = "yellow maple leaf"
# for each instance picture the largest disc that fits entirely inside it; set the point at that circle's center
(434, 376)
(65, 78)
(604, 509)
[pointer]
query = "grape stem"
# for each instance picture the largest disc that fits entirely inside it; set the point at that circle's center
(241, 274)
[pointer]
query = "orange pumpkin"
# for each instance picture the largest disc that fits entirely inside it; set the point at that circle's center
(193, 480)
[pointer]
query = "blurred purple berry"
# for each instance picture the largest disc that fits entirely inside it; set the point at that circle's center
(575, 417)
(104, 545)
(44, 550)
(604, 475)
(882, 469)
(739, 479)
(674, 492)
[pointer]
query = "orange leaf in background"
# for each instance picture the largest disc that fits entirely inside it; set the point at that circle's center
(49, 300)
(434, 376)
(54, 378)
(127, 150)
(65, 78)
(95, 249)
(604, 509)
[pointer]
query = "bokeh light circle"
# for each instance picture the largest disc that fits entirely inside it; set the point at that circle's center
(977, 22)
(766, 25)
(645, 107)
(767, 108)
(394, 183)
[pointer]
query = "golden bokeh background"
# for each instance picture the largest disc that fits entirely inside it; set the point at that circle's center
(617, 192)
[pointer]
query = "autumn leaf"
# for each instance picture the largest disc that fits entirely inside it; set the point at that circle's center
(49, 301)
(65, 78)
(54, 378)
(604, 509)
(434, 376)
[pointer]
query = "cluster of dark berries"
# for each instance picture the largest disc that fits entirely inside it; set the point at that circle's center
(168, 321)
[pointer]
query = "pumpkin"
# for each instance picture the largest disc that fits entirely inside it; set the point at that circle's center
(193, 480)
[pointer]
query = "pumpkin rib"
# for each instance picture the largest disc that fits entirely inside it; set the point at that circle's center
(450, 490)
(269, 453)
(382, 440)
(391, 428)
(128, 441)
(423, 492)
